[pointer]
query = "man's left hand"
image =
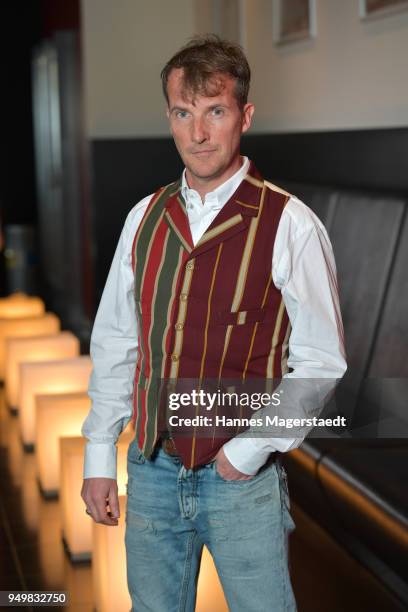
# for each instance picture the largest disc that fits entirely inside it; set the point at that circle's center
(226, 470)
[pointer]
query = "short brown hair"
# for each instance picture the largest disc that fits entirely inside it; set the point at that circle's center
(204, 58)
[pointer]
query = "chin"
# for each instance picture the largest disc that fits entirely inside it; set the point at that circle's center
(204, 171)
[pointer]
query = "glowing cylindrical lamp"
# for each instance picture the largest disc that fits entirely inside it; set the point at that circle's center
(24, 327)
(37, 348)
(210, 595)
(21, 305)
(51, 560)
(56, 415)
(109, 565)
(45, 377)
(76, 525)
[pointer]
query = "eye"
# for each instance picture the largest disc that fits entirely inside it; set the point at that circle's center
(181, 114)
(217, 112)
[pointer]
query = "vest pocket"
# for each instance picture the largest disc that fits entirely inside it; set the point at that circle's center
(254, 315)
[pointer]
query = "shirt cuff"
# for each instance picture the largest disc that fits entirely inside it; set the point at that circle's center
(244, 456)
(100, 460)
(283, 445)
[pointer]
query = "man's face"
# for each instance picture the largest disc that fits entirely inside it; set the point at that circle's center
(207, 130)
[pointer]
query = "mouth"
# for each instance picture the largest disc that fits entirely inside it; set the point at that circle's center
(204, 152)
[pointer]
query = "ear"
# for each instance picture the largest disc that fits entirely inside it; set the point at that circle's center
(167, 112)
(247, 114)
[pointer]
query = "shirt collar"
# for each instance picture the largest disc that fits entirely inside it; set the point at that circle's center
(222, 193)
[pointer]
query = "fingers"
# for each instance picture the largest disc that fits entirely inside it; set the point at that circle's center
(114, 503)
(98, 495)
(102, 514)
(226, 470)
(231, 474)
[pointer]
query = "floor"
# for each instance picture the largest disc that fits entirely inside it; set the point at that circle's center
(32, 556)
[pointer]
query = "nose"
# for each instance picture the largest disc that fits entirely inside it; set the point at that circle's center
(199, 131)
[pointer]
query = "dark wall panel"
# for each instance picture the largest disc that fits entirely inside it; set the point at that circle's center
(361, 159)
(126, 170)
(123, 172)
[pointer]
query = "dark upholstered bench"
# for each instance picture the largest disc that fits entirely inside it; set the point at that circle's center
(357, 486)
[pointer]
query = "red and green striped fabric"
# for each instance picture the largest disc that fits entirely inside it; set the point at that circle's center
(209, 311)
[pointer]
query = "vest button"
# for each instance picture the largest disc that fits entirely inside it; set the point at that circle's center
(174, 357)
(179, 326)
(183, 297)
(190, 265)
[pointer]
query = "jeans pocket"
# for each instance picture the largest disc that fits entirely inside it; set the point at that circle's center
(263, 472)
(233, 482)
(134, 454)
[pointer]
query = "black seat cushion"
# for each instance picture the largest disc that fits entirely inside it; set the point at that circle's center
(322, 200)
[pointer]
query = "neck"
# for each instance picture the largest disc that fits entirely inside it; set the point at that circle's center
(206, 185)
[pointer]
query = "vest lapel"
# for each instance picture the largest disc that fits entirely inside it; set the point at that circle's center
(235, 216)
(176, 217)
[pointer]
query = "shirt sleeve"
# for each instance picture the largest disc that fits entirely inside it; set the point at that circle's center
(304, 270)
(113, 348)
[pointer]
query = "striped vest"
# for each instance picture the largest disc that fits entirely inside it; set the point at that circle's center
(208, 311)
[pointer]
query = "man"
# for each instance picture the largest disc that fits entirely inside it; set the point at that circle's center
(219, 275)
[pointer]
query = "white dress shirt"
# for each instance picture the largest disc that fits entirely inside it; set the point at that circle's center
(303, 269)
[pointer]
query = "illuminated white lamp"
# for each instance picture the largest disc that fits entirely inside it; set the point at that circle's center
(56, 415)
(46, 377)
(49, 557)
(21, 305)
(210, 595)
(76, 524)
(109, 565)
(37, 348)
(25, 327)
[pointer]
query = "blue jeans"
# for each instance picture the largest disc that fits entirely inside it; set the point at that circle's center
(173, 511)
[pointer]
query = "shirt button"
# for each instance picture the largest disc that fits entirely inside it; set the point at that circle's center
(183, 297)
(179, 326)
(190, 265)
(174, 357)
